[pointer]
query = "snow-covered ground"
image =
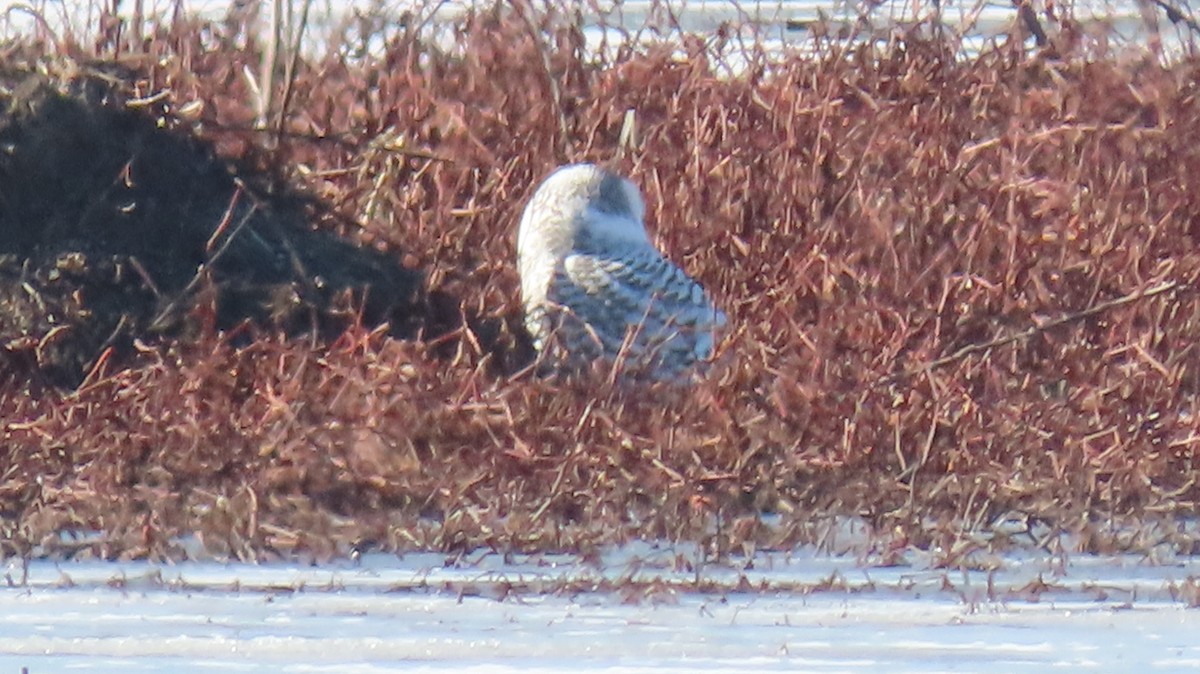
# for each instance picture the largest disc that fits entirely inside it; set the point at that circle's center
(639, 609)
(642, 608)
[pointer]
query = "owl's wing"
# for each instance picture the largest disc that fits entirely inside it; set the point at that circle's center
(637, 303)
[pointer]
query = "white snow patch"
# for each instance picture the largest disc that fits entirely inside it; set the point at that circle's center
(538, 614)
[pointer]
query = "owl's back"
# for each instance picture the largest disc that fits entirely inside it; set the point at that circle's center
(631, 307)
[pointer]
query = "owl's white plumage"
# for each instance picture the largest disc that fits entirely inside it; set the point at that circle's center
(594, 286)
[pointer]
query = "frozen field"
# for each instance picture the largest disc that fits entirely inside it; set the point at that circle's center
(647, 610)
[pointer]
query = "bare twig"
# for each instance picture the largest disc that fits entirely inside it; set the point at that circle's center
(969, 349)
(523, 10)
(159, 320)
(1176, 15)
(290, 75)
(1031, 23)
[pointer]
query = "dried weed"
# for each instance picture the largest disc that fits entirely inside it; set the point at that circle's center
(911, 247)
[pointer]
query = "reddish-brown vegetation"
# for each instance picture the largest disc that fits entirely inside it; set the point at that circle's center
(956, 288)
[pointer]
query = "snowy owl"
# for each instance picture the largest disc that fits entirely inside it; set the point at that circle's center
(594, 286)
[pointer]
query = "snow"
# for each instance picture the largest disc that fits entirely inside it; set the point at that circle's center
(639, 609)
(642, 608)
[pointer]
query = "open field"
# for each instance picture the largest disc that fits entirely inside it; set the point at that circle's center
(960, 290)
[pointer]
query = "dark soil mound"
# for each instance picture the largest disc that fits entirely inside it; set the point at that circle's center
(114, 225)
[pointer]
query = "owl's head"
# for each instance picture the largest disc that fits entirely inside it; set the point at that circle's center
(578, 208)
(601, 204)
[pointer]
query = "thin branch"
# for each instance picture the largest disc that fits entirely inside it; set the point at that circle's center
(523, 11)
(290, 74)
(270, 60)
(160, 320)
(1026, 334)
(1030, 20)
(1175, 15)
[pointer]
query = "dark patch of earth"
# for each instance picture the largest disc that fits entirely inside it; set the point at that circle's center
(114, 228)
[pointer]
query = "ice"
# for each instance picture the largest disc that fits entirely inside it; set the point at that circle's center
(637, 610)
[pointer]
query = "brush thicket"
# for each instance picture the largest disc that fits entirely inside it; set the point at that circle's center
(956, 288)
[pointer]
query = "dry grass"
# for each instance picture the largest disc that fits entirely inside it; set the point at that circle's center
(861, 213)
